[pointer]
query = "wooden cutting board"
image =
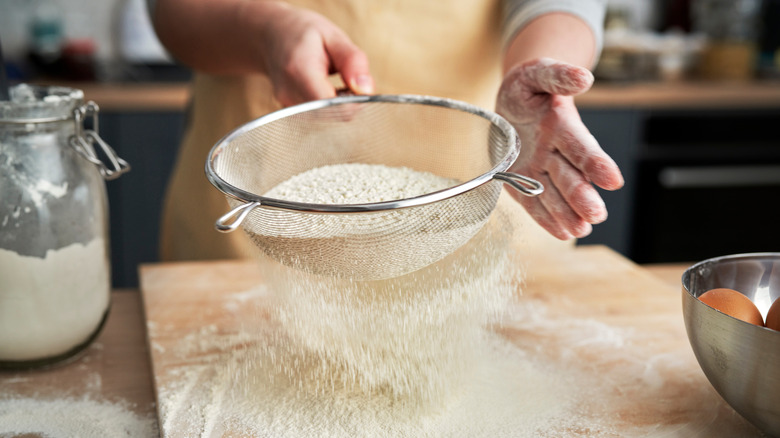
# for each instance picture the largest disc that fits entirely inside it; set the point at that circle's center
(586, 310)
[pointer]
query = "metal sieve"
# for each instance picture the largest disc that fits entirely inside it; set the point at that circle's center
(376, 240)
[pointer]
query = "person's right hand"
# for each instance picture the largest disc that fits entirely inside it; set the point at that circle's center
(302, 49)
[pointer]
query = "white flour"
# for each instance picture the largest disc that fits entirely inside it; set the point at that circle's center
(44, 188)
(365, 246)
(70, 418)
(50, 305)
(357, 184)
(410, 336)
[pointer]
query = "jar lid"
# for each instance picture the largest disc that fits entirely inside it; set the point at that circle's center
(40, 104)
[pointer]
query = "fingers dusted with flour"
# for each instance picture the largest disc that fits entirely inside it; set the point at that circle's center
(536, 97)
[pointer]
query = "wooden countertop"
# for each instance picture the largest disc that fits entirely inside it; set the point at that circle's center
(691, 95)
(119, 360)
(137, 96)
(682, 95)
(197, 312)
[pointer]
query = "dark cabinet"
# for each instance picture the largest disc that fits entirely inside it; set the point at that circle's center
(708, 184)
(148, 140)
(615, 129)
(700, 183)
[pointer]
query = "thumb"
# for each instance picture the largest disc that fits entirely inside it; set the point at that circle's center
(352, 64)
(545, 75)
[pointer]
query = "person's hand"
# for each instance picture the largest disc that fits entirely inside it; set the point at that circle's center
(556, 148)
(303, 49)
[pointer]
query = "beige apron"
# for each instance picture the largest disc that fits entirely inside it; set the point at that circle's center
(439, 48)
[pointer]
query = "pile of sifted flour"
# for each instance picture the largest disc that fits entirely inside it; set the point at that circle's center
(82, 418)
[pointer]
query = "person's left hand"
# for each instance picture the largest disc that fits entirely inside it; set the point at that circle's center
(556, 149)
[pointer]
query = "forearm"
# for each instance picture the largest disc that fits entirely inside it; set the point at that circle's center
(558, 35)
(218, 37)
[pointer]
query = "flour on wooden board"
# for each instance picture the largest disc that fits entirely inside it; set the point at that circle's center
(543, 386)
(41, 404)
(421, 355)
(69, 417)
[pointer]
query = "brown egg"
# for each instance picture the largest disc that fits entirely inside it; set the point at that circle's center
(733, 303)
(773, 316)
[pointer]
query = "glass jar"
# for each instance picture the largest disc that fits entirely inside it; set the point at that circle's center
(54, 249)
(731, 28)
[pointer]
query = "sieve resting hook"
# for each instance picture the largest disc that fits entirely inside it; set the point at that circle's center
(523, 184)
(231, 220)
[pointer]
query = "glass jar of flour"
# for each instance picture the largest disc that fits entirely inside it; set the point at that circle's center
(54, 251)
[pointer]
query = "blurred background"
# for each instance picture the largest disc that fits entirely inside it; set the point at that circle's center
(687, 101)
(83, 40)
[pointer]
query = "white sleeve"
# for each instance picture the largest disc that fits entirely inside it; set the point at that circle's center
(518, 13)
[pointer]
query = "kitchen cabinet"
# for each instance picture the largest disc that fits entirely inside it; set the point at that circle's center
(700, 181)
(707, 184)
(148, 140)
(615, 129)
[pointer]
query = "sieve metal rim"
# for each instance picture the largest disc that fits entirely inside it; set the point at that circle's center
(497, 172)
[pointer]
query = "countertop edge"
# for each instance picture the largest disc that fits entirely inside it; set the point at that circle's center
(175, 96)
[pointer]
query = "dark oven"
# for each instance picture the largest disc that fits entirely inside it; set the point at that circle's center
(708, 184)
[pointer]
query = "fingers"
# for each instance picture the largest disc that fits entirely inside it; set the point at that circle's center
(352, 64)
(306, 51)
(551, 212)
(546, 75)
(558, 150)
(579, 199)
(578, 146)
(574, 161)
(568, 160)
(569, 204)
(305, 76)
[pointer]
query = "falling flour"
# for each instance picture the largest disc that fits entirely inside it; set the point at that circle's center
(50, 305)
(328, 357)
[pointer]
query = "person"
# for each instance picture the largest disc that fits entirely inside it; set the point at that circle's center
(525, 58)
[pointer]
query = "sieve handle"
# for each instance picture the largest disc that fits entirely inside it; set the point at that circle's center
(523, 184)
(231, 220)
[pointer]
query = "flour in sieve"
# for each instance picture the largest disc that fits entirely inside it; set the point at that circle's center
(364, 246)
(357, 184)
(50, 305)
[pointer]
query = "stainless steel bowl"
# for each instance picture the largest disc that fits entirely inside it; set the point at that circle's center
(741, 360)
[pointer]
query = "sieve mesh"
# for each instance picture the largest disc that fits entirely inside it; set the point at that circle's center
(375, 240)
